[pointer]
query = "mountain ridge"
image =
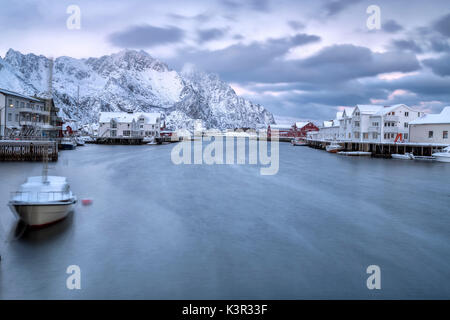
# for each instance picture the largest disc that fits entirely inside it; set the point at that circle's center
(131, 80)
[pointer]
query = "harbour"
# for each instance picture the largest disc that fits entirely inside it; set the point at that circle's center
(170, 231)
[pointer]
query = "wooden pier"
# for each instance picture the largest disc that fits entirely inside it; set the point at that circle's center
(19, 150)
(120, 140)
(382, 149)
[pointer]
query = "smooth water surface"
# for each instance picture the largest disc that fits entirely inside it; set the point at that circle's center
(156, 230)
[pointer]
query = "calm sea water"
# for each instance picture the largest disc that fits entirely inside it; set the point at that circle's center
(160, 231)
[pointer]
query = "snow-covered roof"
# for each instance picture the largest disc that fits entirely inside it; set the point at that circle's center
(388, 109)
(125, 117)
(301, 124)
(348, 111)
(281, 126)
(441, 118)
(11, 93)
(339, 115)
(328, 123)
(368, 108)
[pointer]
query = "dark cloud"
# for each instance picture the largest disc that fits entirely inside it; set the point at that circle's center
(296, 25)
(425, 85)
(256, 5)
(210, 34)
(443, 25)
(264, 62)
(440, 66)
(392, 26)
(439, 45)
(345, 62)
(240, 59)
(336, 6)
(409, 45)
(260, 5)
(145, 36)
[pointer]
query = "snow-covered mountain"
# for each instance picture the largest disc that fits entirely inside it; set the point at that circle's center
(131, 80)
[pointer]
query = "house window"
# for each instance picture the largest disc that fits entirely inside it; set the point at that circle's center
(365, 136)
(406, 114)
(9, 117)
(113, 133)
(10, 102)
(445, 135)
(17, 118)
(22, 105)
(17, 103)
(430, 134)
(113, 124)
(418, 114)
(375, 135)
(406, 124)
(126, 133)
(406, 136)
(142, 126)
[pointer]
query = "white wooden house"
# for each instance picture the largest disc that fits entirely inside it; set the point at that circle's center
(432, 128)
(129, 125)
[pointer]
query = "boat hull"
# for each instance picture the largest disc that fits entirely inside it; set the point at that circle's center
(38, 215)
(442, 158)
(298, 143)
(401, 157)
(66, 146)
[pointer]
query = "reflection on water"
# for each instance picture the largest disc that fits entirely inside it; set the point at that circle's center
(156, 230)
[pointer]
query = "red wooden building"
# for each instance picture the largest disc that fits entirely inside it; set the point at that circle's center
(298, 130)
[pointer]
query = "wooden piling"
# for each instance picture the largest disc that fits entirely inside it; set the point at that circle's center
(16, 150)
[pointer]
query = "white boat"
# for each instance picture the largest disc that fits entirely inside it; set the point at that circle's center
(333, 148)
(443, 156)
(406, 156)
(42, 200)
(424, 158)
(298, 142)
(79, 141)
(68, 144)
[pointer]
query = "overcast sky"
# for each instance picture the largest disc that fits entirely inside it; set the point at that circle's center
(302, 59)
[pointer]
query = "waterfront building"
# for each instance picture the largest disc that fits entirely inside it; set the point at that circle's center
(330, 129)
(431, 128)
(284, 130)
(129, 125)
(391, 123)
(297, 130)
(301, 128)
(54, 128)
(23, 116)
(370, 123)
(345, 124)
